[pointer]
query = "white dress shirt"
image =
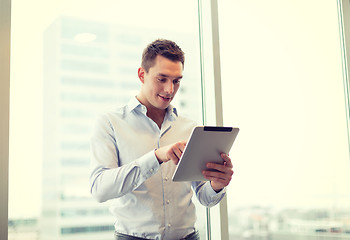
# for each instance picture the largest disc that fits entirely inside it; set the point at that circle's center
(144, 200)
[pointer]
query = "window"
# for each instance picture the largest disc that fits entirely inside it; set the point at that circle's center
(70, 61)
(283, 86)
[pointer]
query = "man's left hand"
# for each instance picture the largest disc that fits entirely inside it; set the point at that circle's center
(222, 174)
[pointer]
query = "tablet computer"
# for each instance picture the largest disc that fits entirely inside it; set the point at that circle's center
(204, 145)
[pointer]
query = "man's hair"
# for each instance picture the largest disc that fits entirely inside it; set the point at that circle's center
(164, 48)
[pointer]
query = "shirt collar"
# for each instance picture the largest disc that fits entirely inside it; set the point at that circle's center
(172, 112)
(134, 104)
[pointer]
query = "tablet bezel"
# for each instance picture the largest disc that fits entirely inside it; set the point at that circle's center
(195, 156)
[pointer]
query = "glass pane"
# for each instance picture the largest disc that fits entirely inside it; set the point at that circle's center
(282, 85)
(72, 60)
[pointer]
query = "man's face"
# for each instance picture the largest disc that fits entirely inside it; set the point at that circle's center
(160, 84)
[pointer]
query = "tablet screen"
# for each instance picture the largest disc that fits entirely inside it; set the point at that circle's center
(205, 144)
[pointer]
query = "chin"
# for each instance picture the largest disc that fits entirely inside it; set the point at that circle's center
(163, 106)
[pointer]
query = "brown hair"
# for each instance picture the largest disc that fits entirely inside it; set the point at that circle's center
(162, 47)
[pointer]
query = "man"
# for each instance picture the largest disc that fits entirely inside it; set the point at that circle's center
(135, 149)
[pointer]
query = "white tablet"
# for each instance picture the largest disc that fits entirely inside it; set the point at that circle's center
(204, 145)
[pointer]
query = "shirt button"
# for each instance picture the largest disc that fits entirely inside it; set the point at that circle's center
(151, 170)
(166, 178)
(169, 225)
(167, 201)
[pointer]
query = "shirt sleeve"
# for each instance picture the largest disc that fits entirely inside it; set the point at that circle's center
(206, 195)
(107, 179)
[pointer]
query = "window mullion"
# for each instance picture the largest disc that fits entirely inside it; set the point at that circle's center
(211, 89)
(344, 20)
(5, 23)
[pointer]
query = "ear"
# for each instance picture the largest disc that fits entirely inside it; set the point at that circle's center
(141, 74)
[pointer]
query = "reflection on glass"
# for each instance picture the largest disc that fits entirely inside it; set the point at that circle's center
(89, 63)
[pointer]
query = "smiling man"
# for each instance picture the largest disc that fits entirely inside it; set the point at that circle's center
(135, 149)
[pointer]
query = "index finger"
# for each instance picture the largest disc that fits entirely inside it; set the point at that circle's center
(181, 145)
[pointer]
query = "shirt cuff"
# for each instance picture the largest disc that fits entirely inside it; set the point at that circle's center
(211, 193)
(148, 164)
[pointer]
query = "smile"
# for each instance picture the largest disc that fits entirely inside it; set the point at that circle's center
(165, 99)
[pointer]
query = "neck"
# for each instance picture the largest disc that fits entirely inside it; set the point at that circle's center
(157, 115)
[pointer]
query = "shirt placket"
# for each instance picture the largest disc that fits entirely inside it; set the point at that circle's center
(160, 133)
(165, 182)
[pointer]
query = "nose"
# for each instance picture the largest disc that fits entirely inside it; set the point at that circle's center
(169, 87)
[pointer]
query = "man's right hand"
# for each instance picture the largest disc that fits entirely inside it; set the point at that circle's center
(170, 152)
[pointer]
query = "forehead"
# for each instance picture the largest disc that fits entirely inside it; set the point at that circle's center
(164, 66)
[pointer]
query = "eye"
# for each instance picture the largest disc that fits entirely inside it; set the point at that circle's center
(162, 79)
(176, 81)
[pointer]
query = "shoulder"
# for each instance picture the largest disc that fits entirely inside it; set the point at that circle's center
(111, 115)
(186, 121)
(184, 125)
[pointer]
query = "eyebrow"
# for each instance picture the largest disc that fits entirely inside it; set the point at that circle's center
(167, 76)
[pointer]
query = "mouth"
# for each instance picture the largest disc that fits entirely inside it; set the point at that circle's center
(165, 99)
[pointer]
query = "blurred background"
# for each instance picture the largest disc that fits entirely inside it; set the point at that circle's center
(282, 85)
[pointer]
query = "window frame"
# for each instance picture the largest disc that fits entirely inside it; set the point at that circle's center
(344, 20)
(5, 25)
(211, 89)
